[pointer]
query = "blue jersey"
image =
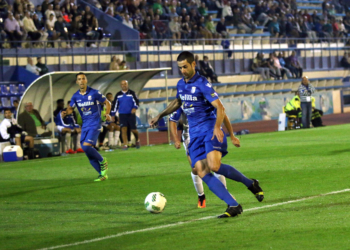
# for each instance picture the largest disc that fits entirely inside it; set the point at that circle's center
(196, 96)
(89, 107)
(68, 121)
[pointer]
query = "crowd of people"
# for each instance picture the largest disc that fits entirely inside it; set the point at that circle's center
(49, 21)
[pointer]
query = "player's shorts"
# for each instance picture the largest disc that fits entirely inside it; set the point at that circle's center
(127, 120)
(199, 147)
(90, 135)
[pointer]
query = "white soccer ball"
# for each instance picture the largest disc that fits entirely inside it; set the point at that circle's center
(155, 202)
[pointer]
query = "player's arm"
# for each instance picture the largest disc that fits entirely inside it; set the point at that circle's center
(173, 121)
(174, 105)
(69, 110)
(108, 110)
(220, 115)
(235, 141)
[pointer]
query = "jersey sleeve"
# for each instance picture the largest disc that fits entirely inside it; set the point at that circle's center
(175, 116)
(99, 97)
(72, 102)
(208, 92)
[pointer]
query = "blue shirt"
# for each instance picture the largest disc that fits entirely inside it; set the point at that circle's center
(89, 107)
(196, 96)
(68, 121)
(125, 102)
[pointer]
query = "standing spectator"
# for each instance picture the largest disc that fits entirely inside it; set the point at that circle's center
(305, 91)
(207, 70)
(31, 121)
(13, 30)
(42, 66)
(45, 6)
(221, 28)
(295, 66)
(259, 67)
(174, 26)
(30, 28)
(126, 103)
(10, 131)
(31, 67)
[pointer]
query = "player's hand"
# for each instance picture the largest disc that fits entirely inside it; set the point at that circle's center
(218, 134)
(108, 117)
(154, 122)
(133, 111)
(177, 145)
(63, 113)
(235, 141)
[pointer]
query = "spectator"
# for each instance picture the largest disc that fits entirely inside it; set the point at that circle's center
(3, 9)
(174, 26)
(45, 6)
(30, 28)
(161, 29)
(31, 67)
(126, 103)
(76, 28)
(61, 30)
(221, 28)
(114, 65)
(211, 28)
(275, 67)
(207, 70)
(31, 122)
(227, 13)
(127, 22)
(173, 13)
(42, 66)
(158, 6)
(238, 22)
(50, 12)
(274, 27)
(307, 28)
(277, 63)
(295, 66)
(18, 7)
(305, 92)
(13, 30)
(12, 132)
(203, 10)
(345, 62)
(204, 31)
(50, 27)
(123, 66)
(147, 27)
(259, 67)
(186, 30)
(58, 12)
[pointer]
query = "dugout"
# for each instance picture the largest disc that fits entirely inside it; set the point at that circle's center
(45, 90)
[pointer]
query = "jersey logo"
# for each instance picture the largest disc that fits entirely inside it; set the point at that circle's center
(208, 85)
(193, 90)
(89, 98)
(85, 104)
(188, 98)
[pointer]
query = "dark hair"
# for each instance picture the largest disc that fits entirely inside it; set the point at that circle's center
(205, 57)
(109, 93)
(7, 109)
(185, 55)
(15, 101)
(68, 102)
(59, 101)
(80, 73)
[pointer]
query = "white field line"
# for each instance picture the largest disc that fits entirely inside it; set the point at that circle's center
(187, 222)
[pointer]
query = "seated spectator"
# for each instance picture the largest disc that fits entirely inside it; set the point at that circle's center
(59, 107)
(30, 28)
(295, 66)
(211, 28)
(221, 28)
(39, 13)
(307, 28)
(58, 12)
(13, 30)
(186, 30)
(76, 28)
(18, 7)
(238, 22)
(50, 27)
(258, 66)
(123, 66)
(3, 9)
(161, 29)
(42, 66)
(11, 132)
(127, 21)
(275, 67)
(277, 63)
(31, 122)
(293, 111)
(207, 70)
(345, 62)
(327, 29)
(274, 27)
(61, 30)
(147, 28)
(292, 29)
(174, 26)
(15, 104)
(173, 13)
(50, 12)
(114, 65)
(31, 67)
(204, 31)
(227, 13)
(203, 10)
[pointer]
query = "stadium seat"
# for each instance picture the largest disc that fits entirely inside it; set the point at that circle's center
(5, 90)
(13, 89)
(13, 98)
(5, 102)
(21, 89)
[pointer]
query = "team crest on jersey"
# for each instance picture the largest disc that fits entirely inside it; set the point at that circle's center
(193, 90)
(89, 98)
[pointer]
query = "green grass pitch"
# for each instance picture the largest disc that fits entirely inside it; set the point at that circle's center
(54, 201)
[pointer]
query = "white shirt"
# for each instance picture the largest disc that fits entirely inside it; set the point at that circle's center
(227, 11)
(5, 124)
(128, 23)
(34, 69)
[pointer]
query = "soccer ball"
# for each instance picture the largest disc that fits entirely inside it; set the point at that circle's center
(155, 202)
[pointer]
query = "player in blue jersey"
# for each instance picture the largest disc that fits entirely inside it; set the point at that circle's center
(88, 101)
(208, 143)
(197, 181)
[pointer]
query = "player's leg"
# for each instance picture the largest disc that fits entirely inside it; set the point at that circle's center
(116, 135)
(221, 178)
(125, 137)
(133, 128)
(68, 137)
(110, 128)
(78, 132)
(214, 162)
(30, 141)
(88, 139)
(198, 185)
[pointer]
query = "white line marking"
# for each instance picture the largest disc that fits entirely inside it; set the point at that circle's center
(186, 222)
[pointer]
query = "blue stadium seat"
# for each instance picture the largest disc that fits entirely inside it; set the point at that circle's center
(21, 89)
(5, 102)
(5, 90)
(13, 89)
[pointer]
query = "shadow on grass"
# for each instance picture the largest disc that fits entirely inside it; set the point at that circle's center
(334, 152)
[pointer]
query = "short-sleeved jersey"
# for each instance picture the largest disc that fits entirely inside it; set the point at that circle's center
(196, 96)
(176, 116)
(89, 106)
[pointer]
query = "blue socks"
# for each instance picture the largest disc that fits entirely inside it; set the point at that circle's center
(94, 157)
(219, 189)
(233, 174)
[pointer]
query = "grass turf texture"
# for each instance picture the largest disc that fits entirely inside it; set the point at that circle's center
(54, 201)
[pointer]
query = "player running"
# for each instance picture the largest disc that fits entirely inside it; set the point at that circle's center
(88, 101)
(208, 143)
(197, 181)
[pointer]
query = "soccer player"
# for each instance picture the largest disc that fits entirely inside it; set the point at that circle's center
(208, 143)
(88, 101)
(197, 181)
(112, 127)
